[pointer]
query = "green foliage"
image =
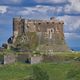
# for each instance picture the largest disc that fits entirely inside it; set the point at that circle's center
(36, 52)
(15, 71)
(21, 42)
(39, 74)
(49, 71)
(1, 57)
(43, 71)
(73, 74)
(4, 45)
(33, 40)
(28, 41)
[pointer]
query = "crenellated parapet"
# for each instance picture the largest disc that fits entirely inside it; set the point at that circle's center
(44, 32)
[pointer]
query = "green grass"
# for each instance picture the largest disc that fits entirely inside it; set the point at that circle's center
(60, 71)
(56, 70)
(16, 71)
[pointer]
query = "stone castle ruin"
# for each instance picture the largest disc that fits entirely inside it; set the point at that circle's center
(42, 35)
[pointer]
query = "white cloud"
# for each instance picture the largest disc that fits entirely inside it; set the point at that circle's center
(72, 23)
(74, 6)
(37, 11)
(3, 9)
(38, 8)
(71, 27)
(12, 1)
(74, 36)
(41, 10)
(15, 1)
(50, 1)
(59, 9)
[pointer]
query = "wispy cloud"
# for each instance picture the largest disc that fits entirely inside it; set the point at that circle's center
(72, 36)
(51, 1)
(72, 23)
(10, 1)
(15, 1)
(75, 5)
(70, 6)
(71, 30)
(3, 9)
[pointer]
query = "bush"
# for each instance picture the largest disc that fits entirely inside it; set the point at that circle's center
(39, 74)
(36, 52)
(73, 74)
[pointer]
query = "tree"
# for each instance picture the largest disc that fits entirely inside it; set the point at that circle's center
(39, 74)
(4, 45)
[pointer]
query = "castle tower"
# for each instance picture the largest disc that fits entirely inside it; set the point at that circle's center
(16, 24)
(18, 27)
(59, 33)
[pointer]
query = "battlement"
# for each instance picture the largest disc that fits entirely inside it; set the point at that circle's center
(20, 24)
(44, 32)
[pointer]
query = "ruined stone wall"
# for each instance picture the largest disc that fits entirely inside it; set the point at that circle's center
(36, 59)
(18, 26)
(9, 58)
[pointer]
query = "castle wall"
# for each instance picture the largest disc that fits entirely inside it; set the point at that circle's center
(18, 26)
(9, 58)
(49, 32)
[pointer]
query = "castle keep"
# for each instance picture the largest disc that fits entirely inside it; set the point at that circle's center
(43, 35)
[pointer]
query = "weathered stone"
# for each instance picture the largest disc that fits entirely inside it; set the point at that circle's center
(27, 58)
(7, 59)
(36, 59)
(41, 34)
(24, 58)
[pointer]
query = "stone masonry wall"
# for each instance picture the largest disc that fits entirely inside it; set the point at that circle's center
(36, 59)
(48, 33)
(9, 58)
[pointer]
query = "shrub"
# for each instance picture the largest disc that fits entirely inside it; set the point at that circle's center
(39, 74)
(73, 74)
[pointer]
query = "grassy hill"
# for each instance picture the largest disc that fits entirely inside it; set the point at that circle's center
(56, 71)
(63, 70)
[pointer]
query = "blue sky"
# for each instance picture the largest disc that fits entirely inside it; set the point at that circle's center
(67, 10)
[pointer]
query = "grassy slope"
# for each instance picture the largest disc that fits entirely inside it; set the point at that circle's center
(56, 71)
(62, 71)
(15, 71)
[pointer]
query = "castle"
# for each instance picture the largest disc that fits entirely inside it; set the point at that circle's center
(43, 35)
